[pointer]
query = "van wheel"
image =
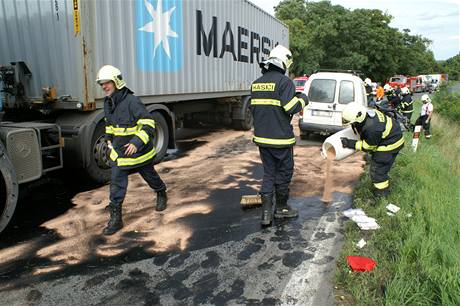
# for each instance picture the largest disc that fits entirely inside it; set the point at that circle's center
(161, 138)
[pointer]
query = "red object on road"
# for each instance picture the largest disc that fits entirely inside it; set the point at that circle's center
(360, 263)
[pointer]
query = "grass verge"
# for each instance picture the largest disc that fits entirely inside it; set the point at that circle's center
(418, 250)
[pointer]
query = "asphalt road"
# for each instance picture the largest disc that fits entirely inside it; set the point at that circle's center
(229, 259)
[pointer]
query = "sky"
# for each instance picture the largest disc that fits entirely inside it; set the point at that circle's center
(437, 20)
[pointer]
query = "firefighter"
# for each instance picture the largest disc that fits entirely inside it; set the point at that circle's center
(394, 98)
(406, 105)
(129, 134)
(380, 135)
(425, 115)
(369, 91)
(273, 103)
(379, 92)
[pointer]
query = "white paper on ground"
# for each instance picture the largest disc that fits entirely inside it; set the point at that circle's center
(390, 214)
(361, 243)
(393, 208)
(349, 213)
(359, 217)
(368, 226)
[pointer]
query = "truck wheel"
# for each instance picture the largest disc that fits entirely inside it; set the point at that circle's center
(98, 169)
(161, 139)
(8, 190)
(246, 123)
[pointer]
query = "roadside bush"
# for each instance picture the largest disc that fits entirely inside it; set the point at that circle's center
(447, 104)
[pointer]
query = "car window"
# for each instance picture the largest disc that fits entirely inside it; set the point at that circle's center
(347, 92)
(300, 82)
(322, 91)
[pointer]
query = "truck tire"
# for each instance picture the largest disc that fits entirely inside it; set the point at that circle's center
(98, 169)
(161, 139)
(244, 124)
(8, 189)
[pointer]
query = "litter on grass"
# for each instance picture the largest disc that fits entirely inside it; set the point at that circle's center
(359, 217)
(393, 208)
(361, 263)
(361, 243)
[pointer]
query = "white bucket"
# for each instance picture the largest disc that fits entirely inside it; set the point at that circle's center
(335, 143)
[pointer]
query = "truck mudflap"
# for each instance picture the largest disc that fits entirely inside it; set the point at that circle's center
(8, 189)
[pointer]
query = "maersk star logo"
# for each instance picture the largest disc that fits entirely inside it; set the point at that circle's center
(159, 35)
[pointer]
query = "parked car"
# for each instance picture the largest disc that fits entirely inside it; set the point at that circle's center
(300, 82)
(328, 93)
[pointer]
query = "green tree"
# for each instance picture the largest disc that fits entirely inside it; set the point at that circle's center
(329, 36)
(452, 67)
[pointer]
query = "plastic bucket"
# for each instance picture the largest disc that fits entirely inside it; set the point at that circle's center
(333, 144)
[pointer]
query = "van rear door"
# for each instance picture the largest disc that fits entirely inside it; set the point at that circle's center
(347, 93)
(321, 94)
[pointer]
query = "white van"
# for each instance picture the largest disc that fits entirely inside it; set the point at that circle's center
(328, 93)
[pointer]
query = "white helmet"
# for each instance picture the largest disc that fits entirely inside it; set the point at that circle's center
(110, 73)
(387, 88)
(426, 98)
(405, 91)
(280, 56)
(354, 112)
(368, 81)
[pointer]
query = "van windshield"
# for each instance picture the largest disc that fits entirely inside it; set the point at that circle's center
(322, 91)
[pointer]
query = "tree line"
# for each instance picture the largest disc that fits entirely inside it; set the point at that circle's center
(326, 36)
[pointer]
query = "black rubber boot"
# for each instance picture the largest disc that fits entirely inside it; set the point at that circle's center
(162, 200)
(267, 208)
(282, 209)
(115, 222)
(381, 193)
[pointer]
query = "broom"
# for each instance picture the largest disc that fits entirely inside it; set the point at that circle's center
(251, 200)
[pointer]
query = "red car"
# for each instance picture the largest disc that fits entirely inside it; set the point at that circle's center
(299, 83)
(398, 80)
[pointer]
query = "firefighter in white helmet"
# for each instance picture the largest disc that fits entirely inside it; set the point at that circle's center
(273, 103)
(406, 104)
(380, 135)
(369, 91)
(425, 115)
(129, 133)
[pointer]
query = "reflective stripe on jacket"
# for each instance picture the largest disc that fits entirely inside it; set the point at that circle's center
(379, 133)
(273, 103)
(128, 121)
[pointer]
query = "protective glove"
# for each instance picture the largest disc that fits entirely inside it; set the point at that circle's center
(348, 143)
(302, 96)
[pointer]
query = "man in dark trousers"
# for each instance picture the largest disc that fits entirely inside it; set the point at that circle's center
(273, 103)
(129, 134)
(380, 135)
(406, 105)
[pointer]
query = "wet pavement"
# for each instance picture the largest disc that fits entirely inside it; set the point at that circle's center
(231, 263)
(225, 256)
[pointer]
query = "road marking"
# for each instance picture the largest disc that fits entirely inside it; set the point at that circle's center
(303, 286)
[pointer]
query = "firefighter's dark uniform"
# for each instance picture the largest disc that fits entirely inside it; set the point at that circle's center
(369, 95)
(128, 121)
(273, 103)
(407, 106)
(382, 136)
